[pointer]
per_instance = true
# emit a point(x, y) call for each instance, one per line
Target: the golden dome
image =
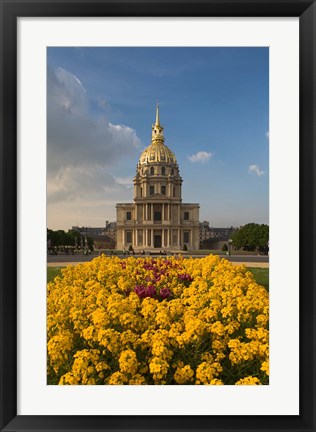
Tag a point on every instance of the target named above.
point(157, 151)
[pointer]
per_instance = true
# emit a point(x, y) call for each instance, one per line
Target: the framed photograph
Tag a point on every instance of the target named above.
point(226, 91)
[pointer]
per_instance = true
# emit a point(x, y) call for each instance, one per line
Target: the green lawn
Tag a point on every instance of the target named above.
point(261, 274)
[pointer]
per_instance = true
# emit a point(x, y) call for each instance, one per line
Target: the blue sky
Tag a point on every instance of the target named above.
point(100, 108)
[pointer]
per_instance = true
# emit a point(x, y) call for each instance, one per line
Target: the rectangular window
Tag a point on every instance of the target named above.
point(174, 191)
point(129, 237)
point(151, 190)
point(186, 237)
point(157, 216)
point(186, 215)
point(128, 215)
point(163, 190)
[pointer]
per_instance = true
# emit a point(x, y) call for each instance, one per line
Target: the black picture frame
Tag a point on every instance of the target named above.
point(10, 11)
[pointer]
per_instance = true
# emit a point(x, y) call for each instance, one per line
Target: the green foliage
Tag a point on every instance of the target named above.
point(90, 243)
point(61, 238)
point(185, 248)
point(70, 238)
point(252, 237)
point(225, 247)
point(52, 272)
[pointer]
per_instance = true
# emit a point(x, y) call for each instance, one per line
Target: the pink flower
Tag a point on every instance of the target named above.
point(140, 291)
point(165, 293)
point(185, 277)
point(143, 292)
point(150, 291)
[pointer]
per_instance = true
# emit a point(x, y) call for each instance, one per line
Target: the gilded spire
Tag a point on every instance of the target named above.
point(157, 115)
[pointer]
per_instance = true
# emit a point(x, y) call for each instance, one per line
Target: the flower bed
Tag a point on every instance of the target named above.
point(157, 321)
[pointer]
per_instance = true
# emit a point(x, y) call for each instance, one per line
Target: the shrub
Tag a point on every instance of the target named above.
point(157, 321)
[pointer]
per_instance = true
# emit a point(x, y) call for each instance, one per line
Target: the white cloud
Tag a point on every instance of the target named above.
point(201, 156)
point(255, 169)
point(124, 181)
point(81, 149)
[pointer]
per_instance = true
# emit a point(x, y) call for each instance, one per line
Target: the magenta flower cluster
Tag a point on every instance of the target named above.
point(143, 292)
point(150, 285)
point(185, 277)
point(165, 293)
point(150, 291)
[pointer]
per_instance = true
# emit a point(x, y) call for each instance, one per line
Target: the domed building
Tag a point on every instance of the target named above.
point(157, 219)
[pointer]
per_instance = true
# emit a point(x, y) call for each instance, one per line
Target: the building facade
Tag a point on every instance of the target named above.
point(157, 219)
point(110, 230)
point(205, 231)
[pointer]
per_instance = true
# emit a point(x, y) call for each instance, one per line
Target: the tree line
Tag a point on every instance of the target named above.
point(252, 237)
point(61, 238)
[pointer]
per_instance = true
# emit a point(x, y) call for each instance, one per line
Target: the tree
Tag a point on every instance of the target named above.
point(252, 237)
point(61, 238)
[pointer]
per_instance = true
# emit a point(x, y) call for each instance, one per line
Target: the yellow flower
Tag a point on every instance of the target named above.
point(184, 375)
point(249, 380)
point(107, 323)
point(128, 362)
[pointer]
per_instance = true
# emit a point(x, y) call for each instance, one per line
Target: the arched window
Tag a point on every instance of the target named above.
point(152, 170)
point(163, 170)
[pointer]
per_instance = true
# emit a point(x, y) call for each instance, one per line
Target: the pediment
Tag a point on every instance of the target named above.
point(158, 197)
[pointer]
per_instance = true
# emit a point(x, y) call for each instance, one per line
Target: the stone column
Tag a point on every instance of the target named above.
point(152, 212)
point(162, 238)
point(152, 238)
point(123, 238)
point(179, 238)
point(163, 213)
point(136, 237)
